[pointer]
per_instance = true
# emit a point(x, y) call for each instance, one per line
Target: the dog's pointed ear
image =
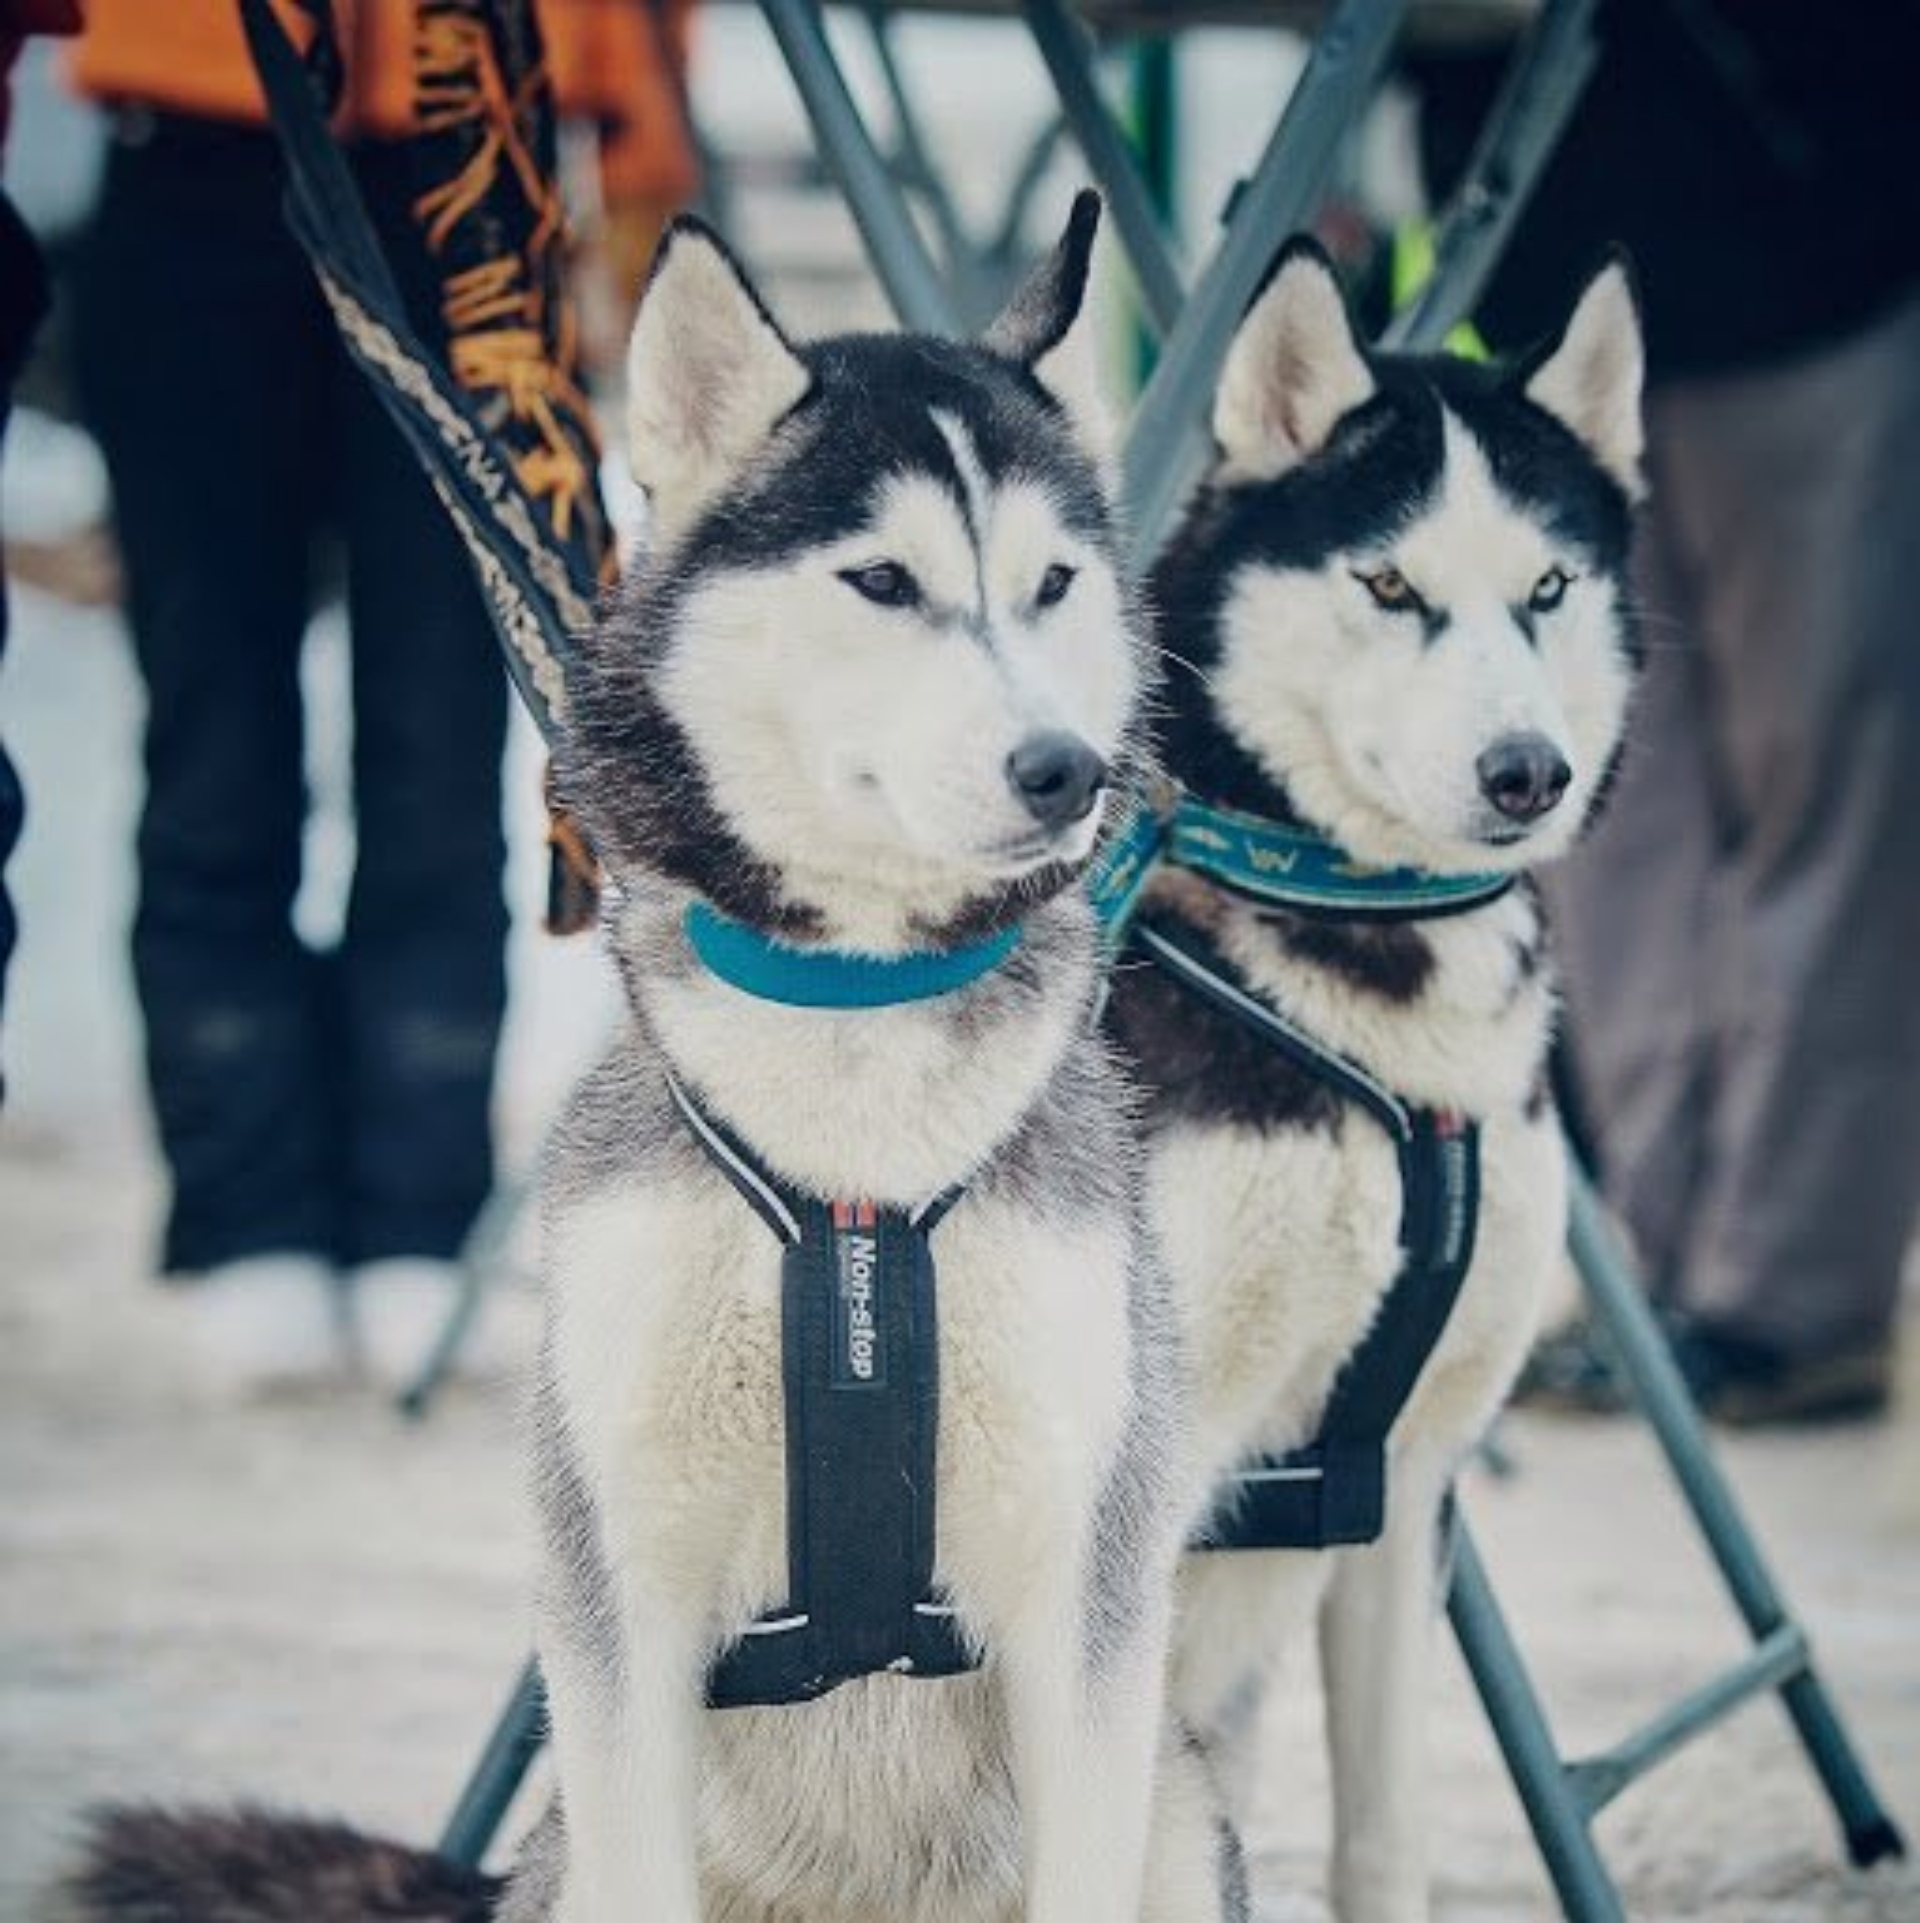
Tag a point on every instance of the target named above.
point(1590, 379)
point(1295, 367)
point(1048, 328)
point(709, 374)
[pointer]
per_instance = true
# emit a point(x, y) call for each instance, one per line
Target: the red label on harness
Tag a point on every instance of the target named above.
point(859, 1356)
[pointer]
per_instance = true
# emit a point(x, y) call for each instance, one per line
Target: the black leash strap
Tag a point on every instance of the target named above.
point(538, 588)
point(1333, 1490)
point(860, 1362)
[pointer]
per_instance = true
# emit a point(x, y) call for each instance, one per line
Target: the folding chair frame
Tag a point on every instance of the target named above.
point(1561, 1798)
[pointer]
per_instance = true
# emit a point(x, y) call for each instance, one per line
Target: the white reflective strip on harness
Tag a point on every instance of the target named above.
point(718, 1148)
point(933, 1609)
point(1307, 1472)
point(778, 1627)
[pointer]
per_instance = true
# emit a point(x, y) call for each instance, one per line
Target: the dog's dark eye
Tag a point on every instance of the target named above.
point(1549, 591)
point(1390, 590)
point(1053, 586)
point(886, 584)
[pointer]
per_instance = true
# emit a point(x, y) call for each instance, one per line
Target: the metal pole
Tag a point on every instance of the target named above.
point(1153, 93)
point(1597, 1780)
point(1559, 1825)
point(907, 271)
point(497, 1777)
point(1662, 1393)
point(481, 1255)
point(1285, 189)
point(1069, 57)
point(974, 296)
point(1542, 87)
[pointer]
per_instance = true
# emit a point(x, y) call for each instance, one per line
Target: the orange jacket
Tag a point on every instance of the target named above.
point(190, 56)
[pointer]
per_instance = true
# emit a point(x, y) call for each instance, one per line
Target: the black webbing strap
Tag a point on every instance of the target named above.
point(1333, 1490)
point(538, 587)
point(860, 1365)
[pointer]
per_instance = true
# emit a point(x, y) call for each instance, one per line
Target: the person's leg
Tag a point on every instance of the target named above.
point(1811, 517)
point(195, 330)
point(423, 973)
point(23, 300)
point(1629, 911)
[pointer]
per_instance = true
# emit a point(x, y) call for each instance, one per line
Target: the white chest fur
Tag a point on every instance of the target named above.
point(1284, 1240)
point(666, 1330)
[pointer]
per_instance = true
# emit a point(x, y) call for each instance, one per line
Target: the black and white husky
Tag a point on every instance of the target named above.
point(852, 716)
point(1394, 616)
point(863, 697)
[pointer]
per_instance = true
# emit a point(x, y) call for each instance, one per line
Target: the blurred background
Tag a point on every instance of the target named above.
point(228, 1565)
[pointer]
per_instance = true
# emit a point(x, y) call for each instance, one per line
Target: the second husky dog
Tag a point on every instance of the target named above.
point(1398, 641)
point(849, 722)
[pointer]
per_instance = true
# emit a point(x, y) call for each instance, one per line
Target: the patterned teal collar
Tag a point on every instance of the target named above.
point(827, 978)
point(1273, 863)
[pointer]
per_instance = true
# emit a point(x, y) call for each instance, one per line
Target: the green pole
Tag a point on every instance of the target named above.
point(1154, 114)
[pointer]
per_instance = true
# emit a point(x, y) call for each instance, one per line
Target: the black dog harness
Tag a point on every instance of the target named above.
point(860, 1365)
point(1333, 1489)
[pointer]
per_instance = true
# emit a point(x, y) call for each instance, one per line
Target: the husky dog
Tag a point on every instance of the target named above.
point(1394, 615)
point(863, 696)
point(860, 700)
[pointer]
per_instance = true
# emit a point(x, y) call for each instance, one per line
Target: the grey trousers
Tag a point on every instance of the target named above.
point(1741, 931)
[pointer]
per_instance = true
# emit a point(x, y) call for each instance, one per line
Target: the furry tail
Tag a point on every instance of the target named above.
point(251, 1866)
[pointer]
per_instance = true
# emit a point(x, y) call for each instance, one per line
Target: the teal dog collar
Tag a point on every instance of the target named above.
point(827, 978)
point(1271, 862)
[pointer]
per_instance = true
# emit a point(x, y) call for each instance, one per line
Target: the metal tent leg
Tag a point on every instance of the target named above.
point(906, 269)
point(1559, 1823)
point(481, 1257)
point(1069, 57)
point(972, 286)
point(1662, 1394)
point(1284, 189)
point(496, 1778)
point(1542, 86)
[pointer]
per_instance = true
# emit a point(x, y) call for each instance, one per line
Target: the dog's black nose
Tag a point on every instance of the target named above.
point(1523, 775)
point(1057, 776)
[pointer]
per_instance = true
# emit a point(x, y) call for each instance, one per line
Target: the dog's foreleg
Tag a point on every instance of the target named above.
point(625, 1748)
point(1376, 1640)
point(1195, 1870)
point(1085, 1725)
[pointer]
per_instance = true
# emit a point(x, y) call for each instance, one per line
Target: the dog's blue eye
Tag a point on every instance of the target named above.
point(1053, 586)
point(1549, 591)
point(886, 583)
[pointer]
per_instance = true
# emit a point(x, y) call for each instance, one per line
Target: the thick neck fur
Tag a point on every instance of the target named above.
point(893, 1104)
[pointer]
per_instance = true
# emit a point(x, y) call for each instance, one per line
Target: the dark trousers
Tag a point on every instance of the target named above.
point(338, 1103)
point(23, 299)
point(1740, 930)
